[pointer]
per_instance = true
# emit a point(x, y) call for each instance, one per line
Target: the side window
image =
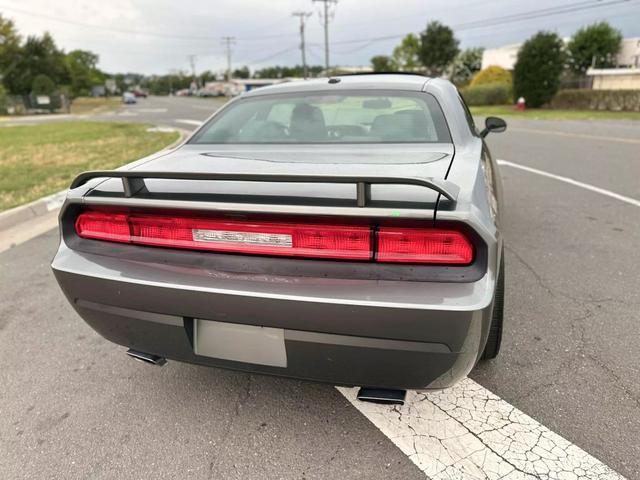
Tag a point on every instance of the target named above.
point(467, 114)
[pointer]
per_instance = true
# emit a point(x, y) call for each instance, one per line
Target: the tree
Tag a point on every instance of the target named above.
point(282, 72)
point(406, 56)
point(382, 63)
point(597, 44)
point(38, 55)
point(83, 71)
point(9, 47)
point(438, 48)
point(536, 74)
point(241, 72)
point(465, 66)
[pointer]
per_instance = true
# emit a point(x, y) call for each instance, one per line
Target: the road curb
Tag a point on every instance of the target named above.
point(30, 211)
point(24, 213)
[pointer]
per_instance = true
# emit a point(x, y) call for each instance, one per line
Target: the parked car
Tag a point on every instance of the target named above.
point(139, 93)
point(128, 98)
point(205, 92)
point(343, 230)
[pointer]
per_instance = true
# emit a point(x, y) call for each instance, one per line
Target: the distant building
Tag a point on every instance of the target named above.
point(247, 84)
point(615, 78)
point(506, 56)
point(629, 55)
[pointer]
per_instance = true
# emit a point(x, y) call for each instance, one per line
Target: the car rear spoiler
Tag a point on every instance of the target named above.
point(133, 181)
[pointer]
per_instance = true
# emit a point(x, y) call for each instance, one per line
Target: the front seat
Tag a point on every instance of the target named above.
point(307, 124)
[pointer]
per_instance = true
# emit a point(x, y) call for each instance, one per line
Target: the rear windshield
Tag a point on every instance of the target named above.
point(349, 117)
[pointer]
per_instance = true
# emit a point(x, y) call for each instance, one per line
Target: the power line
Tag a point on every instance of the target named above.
point(131, 31)
point(303, 16)
point(325, 19)
point(489, 22)
point(271, 57)
point(227, 42)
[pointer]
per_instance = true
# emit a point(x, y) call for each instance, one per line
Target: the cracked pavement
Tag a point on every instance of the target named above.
point(73, 406)
point(467, 432)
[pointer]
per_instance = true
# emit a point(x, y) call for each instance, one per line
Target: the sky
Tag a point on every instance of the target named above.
point(157, 36)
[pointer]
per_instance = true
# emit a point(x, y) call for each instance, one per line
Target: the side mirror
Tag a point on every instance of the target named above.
point(493, 124)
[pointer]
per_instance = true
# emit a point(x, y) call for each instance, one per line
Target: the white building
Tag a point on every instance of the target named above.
point(506, 56)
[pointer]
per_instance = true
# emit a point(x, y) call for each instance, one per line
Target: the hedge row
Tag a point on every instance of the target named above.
point(487, 94)
point(585, 99)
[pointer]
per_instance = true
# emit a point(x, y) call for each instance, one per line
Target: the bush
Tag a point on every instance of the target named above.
point(489, 94)
point(491, 74)
point(536, 75)
point(611, 100)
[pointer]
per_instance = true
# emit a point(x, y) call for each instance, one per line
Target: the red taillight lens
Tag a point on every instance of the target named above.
point(103, 226)
point(416, 245)
point(265, 238)
point(394, 244)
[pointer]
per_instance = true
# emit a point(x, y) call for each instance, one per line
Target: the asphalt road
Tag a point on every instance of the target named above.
point(74, 406)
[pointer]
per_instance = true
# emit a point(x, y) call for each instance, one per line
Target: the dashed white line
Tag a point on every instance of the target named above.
point(571, 181)
point(467, 432)
point(188, 121)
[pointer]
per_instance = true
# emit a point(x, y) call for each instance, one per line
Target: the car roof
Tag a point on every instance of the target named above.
point(386, 81)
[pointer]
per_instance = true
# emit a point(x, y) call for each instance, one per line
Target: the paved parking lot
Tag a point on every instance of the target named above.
point(74, 406)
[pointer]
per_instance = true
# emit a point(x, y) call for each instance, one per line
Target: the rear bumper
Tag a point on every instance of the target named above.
point(409, 335)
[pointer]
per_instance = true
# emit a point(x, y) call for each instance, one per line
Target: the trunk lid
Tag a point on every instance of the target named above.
point(407, 160)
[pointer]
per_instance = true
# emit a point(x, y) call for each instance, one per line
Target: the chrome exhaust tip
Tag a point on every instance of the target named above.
point(382, 395)
point(147, 357)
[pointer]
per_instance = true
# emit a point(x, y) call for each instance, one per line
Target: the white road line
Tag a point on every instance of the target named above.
point(468, 433)
point(576, 135)
point(601, 191)
point(188, 121)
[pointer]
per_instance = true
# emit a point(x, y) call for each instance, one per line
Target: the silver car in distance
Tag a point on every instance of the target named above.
point(343, 230)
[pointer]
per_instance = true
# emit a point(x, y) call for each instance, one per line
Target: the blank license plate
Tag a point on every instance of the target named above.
point(240, 343)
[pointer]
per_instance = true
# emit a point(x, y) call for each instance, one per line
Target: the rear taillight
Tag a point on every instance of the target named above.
point(421, 245)
point(264, 238)
point(113, 227)
point(347, 242)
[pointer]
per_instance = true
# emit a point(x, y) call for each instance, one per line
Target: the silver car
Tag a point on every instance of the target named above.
point(342, 230)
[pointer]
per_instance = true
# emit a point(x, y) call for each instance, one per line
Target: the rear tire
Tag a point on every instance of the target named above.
point(492, 348)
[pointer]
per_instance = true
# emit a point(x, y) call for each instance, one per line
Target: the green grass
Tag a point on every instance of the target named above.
point(547, 114)
point(92, 105)
point(42, 159)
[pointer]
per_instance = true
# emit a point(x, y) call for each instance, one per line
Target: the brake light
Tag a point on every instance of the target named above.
point(418, 245)
point(103, 226)
point(266, 237)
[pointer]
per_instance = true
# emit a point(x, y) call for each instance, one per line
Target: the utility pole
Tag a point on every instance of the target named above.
point(303, 16)
point(227, 42)
point(325, 18)
point(192, 62)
